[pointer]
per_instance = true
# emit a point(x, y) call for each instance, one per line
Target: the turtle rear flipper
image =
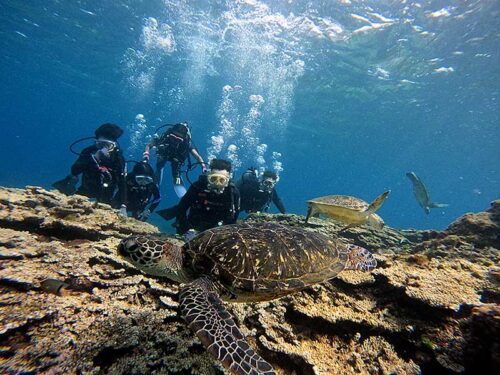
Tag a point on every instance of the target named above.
point(205, 314)
point(438, 205)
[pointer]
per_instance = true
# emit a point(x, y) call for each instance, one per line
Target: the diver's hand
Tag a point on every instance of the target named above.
point(123, 211)
point(102, 154)
point(106, 173)
point(177, 181)
point(144, 215)
point(145, 155)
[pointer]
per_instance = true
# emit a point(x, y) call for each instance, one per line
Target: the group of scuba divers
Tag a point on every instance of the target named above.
point(210, 201)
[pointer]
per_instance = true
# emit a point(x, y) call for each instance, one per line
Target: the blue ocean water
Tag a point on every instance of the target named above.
point(339, 97)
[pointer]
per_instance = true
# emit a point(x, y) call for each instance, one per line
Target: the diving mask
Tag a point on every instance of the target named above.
point(143, 180)
point(218, 180)
point(268, 184)
point(103, 143)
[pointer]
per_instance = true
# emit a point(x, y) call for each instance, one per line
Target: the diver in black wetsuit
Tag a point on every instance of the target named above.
point(257, 195)
point(102, 167)
point(174, 146)
point(211, 201)
point(142, 193)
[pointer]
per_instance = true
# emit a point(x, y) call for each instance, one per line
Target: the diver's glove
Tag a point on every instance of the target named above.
point(102, 154)
point(145, 155)
point(122, 211)
point(144, 215)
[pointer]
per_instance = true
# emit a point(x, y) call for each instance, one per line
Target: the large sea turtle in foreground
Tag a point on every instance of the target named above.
point(350, 210)
point(241, 263)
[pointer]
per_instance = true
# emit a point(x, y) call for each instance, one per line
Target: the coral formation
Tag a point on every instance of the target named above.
point(70, 304)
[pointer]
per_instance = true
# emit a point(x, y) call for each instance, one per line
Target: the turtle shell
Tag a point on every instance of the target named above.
point(347, 209)
point(344, 201)
point(264, 260)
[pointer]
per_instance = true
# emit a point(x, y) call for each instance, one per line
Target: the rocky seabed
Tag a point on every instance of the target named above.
point(431, 306)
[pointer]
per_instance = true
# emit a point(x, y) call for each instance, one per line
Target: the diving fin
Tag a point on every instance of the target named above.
point(180, 190)
point(67, 185)
point(168, 213)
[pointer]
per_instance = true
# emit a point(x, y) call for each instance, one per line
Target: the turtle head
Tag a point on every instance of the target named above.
point(375, 221)
point(153, 256)
point(358, 258)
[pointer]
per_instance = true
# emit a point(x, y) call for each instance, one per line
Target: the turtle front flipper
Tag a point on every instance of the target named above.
point(312, 211)
point(358, 258)
point(205, 314)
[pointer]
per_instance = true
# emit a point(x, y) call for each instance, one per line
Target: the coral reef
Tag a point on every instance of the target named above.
point(70, 304)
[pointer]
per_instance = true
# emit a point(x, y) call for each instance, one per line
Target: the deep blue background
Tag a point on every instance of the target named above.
point(347, 129)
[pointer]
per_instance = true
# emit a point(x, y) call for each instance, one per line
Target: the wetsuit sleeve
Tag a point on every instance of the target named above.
point(121, 197)
point(237, 204)
point(120, 179)
point(82, 163)
point(154, 142)
point(233, 216)
point(186, 201)
point(155, 193)
point(278, 202)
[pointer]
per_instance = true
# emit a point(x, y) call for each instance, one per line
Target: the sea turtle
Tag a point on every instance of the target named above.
point(421, 194)
point(350, 210)
point(241, 263)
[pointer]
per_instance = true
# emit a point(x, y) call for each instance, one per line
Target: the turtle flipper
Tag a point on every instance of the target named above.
point(311, 212)
point(358, 258)
point(438, 205)
point(205, 314)
point(375, 205)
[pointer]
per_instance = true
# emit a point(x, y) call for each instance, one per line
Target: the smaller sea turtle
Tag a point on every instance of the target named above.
point(241, 263)
point(421, 194)
point(350, 210)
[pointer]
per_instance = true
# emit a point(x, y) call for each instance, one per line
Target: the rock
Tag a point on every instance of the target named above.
point(431, 305)
point(49, 213)
point(481, 229)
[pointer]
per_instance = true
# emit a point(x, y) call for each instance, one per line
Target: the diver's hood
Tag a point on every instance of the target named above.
point(109, 131)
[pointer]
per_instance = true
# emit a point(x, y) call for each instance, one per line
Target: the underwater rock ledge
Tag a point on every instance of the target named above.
point(431, 306)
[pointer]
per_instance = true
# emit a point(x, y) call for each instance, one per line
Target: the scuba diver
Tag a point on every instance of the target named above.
point(174, 146)
point(257, 195)
point(142, 193)
point(102, 167)
point(212, 200)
